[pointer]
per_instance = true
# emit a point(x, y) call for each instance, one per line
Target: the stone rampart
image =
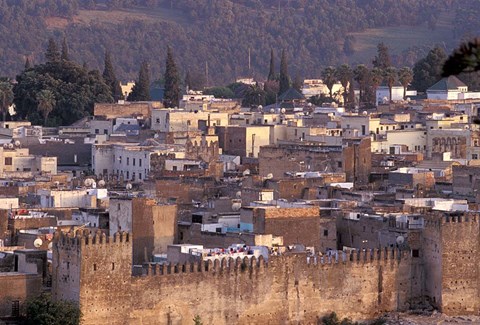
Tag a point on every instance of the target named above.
point(289, 288)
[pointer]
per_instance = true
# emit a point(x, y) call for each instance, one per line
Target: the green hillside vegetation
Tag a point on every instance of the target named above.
point(220, 33)
point(406, 42)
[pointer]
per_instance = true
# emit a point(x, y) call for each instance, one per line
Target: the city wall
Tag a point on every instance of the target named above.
point(286, 289)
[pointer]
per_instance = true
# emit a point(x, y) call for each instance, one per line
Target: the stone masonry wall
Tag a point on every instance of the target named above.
point(287, 289)
point(461, 265)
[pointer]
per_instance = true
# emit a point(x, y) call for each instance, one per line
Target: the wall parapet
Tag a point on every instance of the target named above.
point(224, 265)
point(253, 264)
point(83, 238)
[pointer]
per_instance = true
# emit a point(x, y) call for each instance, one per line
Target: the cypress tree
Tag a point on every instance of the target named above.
point(141, 89)
point(284, 78)
point(271, 73)
point(188, 81)
point(28, 65)
point(297, 83)
point(172, 88)
point(110, 78)
point(52, 54)
point(65, 56)
point(382, 60)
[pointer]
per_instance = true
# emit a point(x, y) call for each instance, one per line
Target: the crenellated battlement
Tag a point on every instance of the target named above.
point(84, 237)
point(461, 218)
point(437, 219)
point(210, 266)
point(253, 264)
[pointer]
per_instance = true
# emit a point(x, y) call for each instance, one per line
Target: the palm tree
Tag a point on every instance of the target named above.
point(376, 78)
point(6, 97)
point(329, 78)
point(345, 75)
point(391, 76)
point(405, 76)
point(46, 103)
point(361, 74)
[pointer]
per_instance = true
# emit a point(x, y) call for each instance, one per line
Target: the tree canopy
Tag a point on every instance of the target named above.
point(466, 58)
point(141, 89)
point(428, 70)
point(6, 97)
point(213, 31)
point(111, 79)
point(284, 77)
point(172, 82)
point(43, 311)
point(75, 90)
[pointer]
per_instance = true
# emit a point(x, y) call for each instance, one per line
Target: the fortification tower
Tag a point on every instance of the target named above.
point(452, 262)
point(82, 262)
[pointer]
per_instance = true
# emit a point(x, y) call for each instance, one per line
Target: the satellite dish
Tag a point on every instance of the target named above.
point(50, 246)
point(269, 176)
point(400, 240)
point(365, 113)
point(5, 145)
point(38, 242)
point(57, 183)
point(260, 107)
point(272, 110)
point(94, 185)
point(88, 182)
point(101, 183)
point(128, 186)
point(283, 110)
point(10, 145)
point(236, 206)
point(60, 132)
point(246, 172)
point(238, 195)
point(17, 143)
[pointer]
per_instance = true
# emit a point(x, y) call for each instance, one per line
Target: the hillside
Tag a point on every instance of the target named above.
point(220, 33)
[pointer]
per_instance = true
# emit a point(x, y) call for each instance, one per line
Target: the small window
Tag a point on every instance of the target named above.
point(113, 266)
point(133, 161)
point(94, 266)
point(139, 162)
point(97, 131)
point(325, 232)
point(139, 175)
point(8, 161)
point(415, 253)
point(128, 161)
point(105, 131)
point(158, 121)
point(174, 168)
